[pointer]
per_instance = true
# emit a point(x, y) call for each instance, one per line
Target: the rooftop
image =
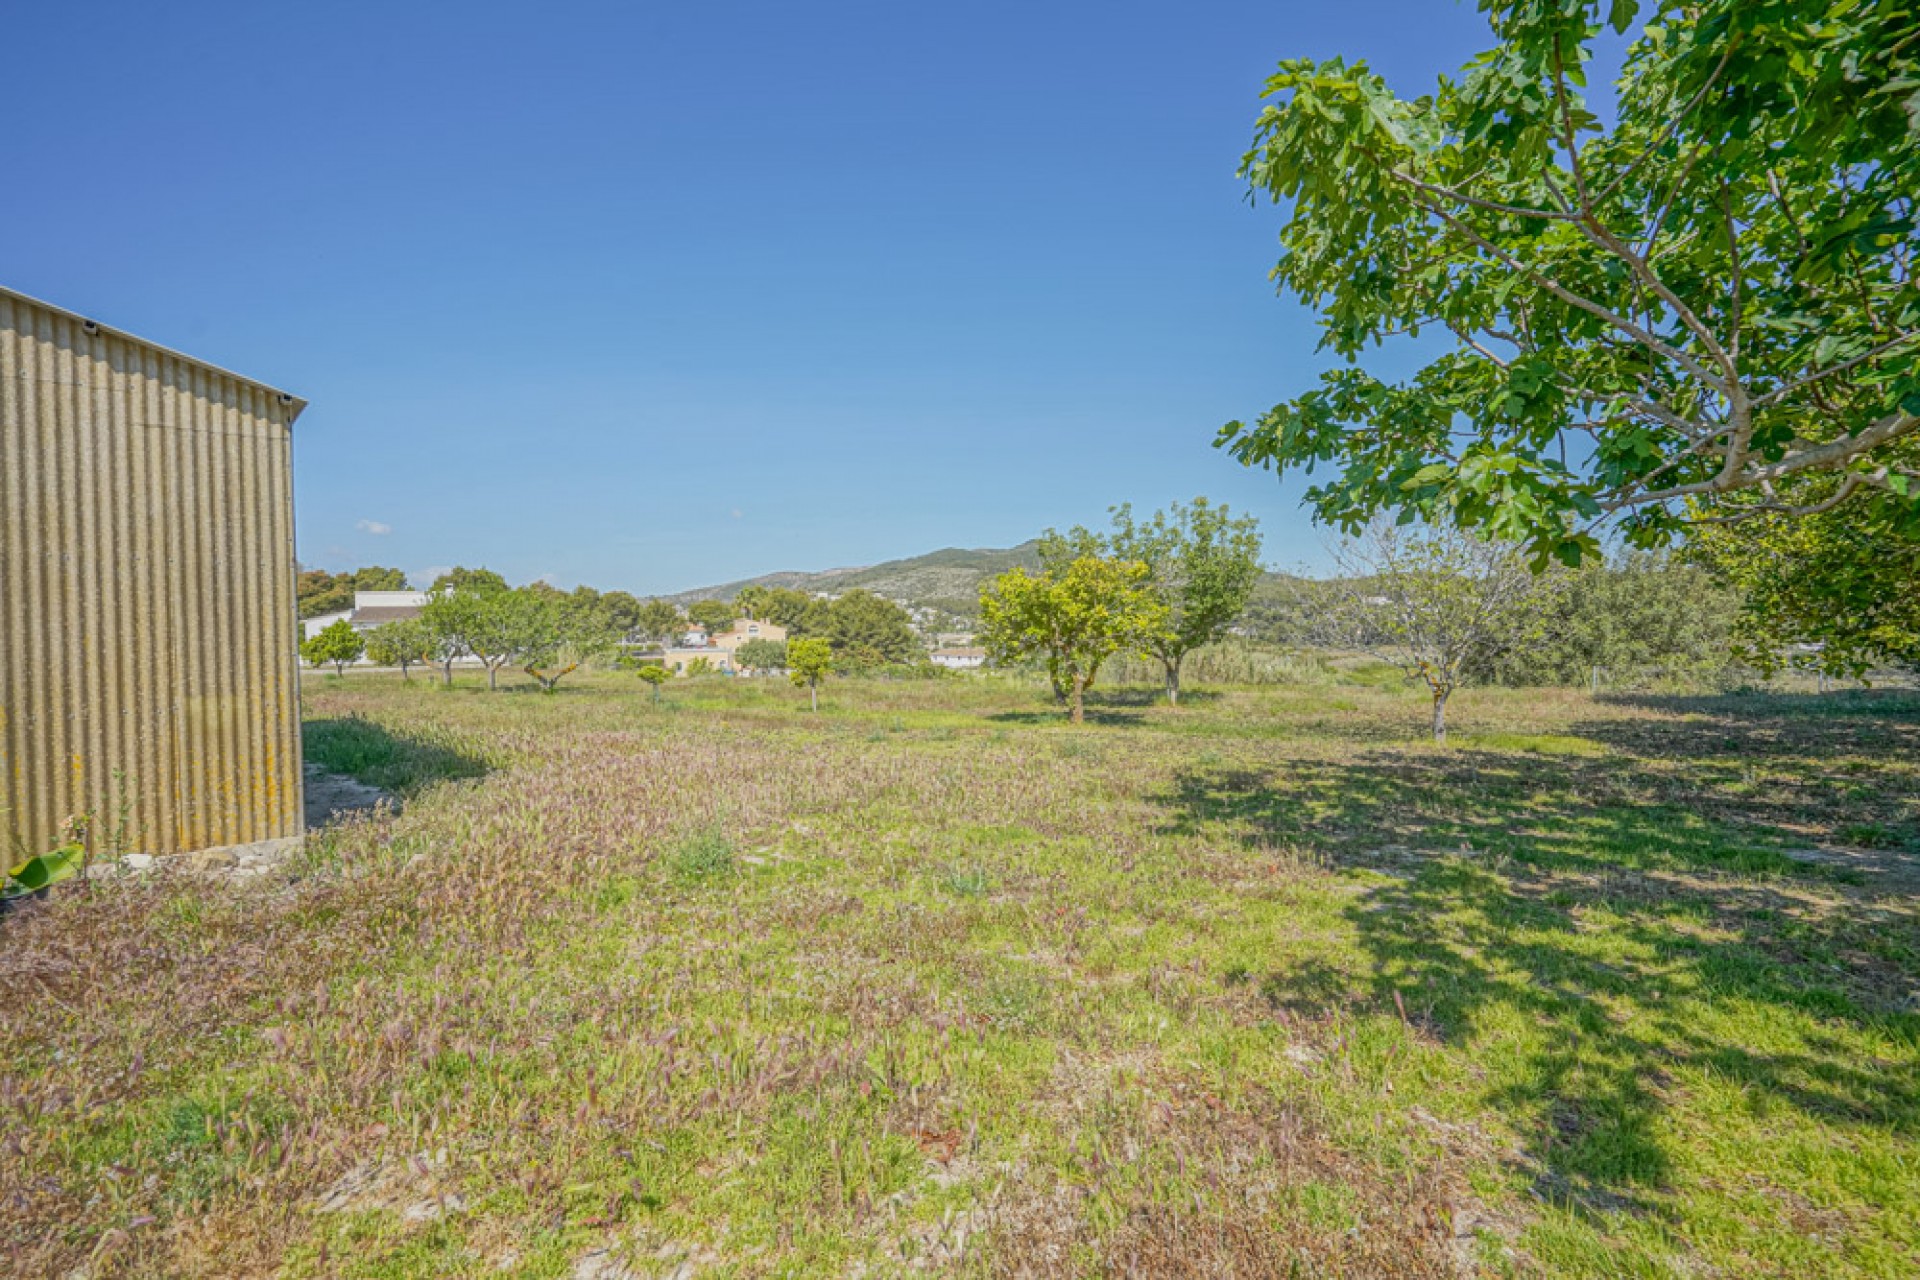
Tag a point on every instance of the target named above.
point(294, 403)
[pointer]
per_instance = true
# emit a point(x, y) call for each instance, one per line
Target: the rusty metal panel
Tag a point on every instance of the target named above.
point(148, 642)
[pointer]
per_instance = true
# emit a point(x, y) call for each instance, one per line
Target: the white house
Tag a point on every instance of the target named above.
point(960, 658)
point(370, 609)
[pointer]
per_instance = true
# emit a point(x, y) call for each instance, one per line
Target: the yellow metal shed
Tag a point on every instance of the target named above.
point(148, 660)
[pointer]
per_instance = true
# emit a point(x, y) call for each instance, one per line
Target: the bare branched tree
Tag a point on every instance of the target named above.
point(1435, 602)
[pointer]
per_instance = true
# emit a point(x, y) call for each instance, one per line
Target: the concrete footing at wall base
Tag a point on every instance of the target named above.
point(241, 859)
point(236, 860)
point(330, 799)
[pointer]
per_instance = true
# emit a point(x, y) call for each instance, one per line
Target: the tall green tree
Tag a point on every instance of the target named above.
point(337, 643)
point(379, 578)
point(1202, 561)
point(494, 624)
point(800, 613)
point(459, 577)
point(624, 614)
point(450, 616)
point(862, 624)
point(1071, 618)
point(318, 592)
point(715, 615)
point(1704, 308)
point(761, 655)
point(584, 624)
point(1838, 591)
point(1638, 613)
point(661, 622)
point(403, 643)
point(515, 625)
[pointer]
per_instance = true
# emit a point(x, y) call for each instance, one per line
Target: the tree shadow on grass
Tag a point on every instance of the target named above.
point(1106, 717)
point(1147, 695)
point(1805, 763)
point(1763, 725)
point(379, 756)
point(1123, 707)
point(1538, 907)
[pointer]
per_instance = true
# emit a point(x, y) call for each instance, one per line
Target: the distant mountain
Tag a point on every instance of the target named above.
point(947, 581)
point(942, 588)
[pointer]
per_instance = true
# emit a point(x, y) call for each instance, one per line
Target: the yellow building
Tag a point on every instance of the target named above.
point(717, 651)
point(745, 629)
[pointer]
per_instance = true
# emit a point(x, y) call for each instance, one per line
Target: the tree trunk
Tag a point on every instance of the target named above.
point(1079, 713)
point(340, 669)
point(1440, 697)
point(447, 667)
point(1173, 681)
point(814, 690)
point(493, 674)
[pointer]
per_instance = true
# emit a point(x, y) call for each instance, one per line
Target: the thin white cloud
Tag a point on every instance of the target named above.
point(736, 513)
point(374, 527)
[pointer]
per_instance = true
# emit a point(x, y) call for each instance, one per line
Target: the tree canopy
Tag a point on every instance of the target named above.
point(1838, 592)
point(495, 624)
point(459, 576)
point(869, 629)
point(714, 615)
point(402, 643)
point(337, 643)
point(661, 621)
point(800, 613)
point(809, 661)
point(761, 655)
point(319, 592)
point(1701, 310)
point(1640, 616)
point(1072, 617)
point(1202, 564)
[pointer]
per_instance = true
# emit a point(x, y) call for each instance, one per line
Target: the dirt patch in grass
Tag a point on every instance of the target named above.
point(334, 797)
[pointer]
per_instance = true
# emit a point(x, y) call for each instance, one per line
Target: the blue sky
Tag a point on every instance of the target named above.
point(651, 296)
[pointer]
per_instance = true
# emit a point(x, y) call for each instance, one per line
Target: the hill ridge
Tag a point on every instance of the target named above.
point(947, 580)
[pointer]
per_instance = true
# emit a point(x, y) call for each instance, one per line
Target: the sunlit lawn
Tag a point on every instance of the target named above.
point(932, 980)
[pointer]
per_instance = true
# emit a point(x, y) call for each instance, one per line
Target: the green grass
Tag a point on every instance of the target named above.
point(931, 980)
point(702, 855)
point(396, 757)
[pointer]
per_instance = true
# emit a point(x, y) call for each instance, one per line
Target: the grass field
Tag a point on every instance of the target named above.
point(931, 981)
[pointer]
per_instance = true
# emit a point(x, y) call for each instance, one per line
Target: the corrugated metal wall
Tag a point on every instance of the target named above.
point(147, 631)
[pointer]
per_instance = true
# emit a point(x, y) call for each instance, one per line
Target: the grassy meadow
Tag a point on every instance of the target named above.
point(931, 982)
